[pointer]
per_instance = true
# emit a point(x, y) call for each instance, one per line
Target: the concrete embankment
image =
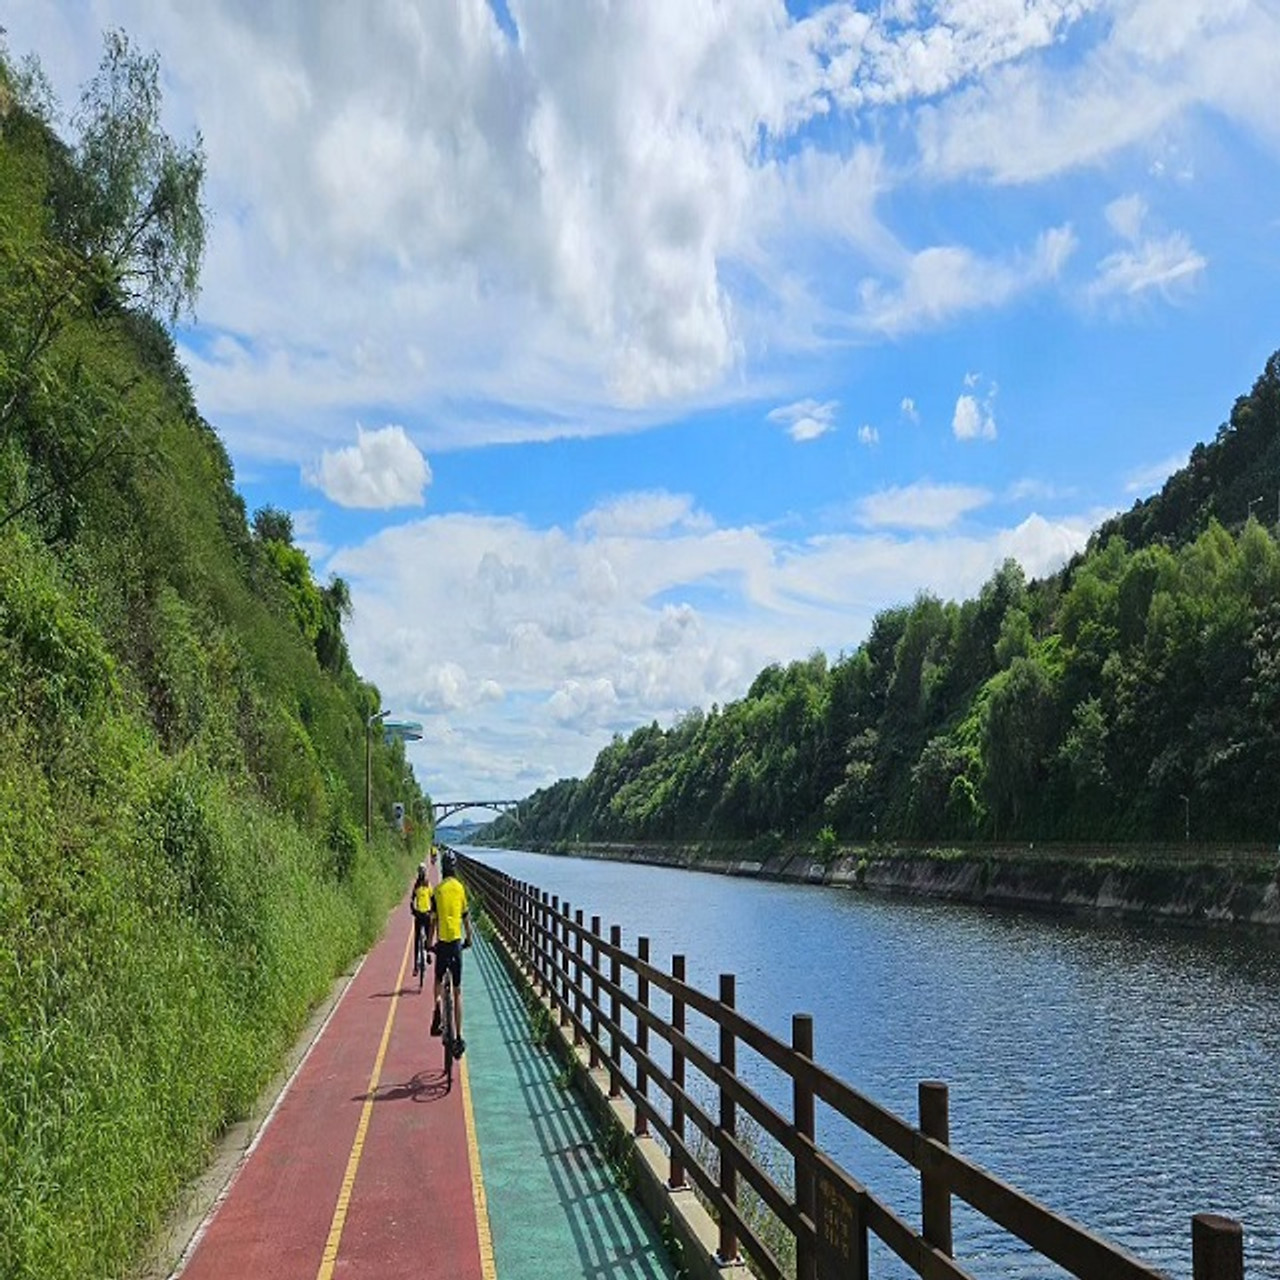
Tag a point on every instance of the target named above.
point(1210, 885)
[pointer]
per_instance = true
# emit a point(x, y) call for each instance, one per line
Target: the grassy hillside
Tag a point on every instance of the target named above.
point(183, 867)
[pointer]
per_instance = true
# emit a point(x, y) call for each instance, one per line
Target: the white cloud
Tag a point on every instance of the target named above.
point(908, 409)
point(920, 506)
point(1164, 265)
point(525, 674)
point(1148, 479)
point(806, 419)
point(1153, 62)
point(973, 419)
point(944, 281)
point(1125, 215)
point(638, 514)
point(611, 208)
point(1161, 263)
point(584, 704)
point(383, 469)
point(868, 435)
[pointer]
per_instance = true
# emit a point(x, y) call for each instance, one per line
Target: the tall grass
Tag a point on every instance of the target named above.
point(162, 938)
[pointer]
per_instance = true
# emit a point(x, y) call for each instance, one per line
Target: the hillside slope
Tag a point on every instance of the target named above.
point(1134, 696)
point(182, 750)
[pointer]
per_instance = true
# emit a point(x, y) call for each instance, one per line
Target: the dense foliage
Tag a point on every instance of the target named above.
point(183, 867)
point(1133, 696)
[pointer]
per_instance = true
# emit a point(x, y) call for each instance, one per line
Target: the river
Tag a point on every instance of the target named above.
point(1126, 1075)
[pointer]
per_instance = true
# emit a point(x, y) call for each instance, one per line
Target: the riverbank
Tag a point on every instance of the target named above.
point(1189, 884)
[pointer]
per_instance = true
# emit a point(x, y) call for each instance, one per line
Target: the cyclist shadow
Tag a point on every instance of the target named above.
point(422, 1086)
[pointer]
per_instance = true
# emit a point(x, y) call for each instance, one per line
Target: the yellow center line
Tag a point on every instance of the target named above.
point(488, 1268)
point(330, 1258)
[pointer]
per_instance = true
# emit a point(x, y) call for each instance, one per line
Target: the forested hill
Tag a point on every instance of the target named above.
point(183, 866)
point(1133, 696)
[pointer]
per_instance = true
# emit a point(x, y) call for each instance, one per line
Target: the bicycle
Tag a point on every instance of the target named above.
point(420, 952)
point(446, 1027)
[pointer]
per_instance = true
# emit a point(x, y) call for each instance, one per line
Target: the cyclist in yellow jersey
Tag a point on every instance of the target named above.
point(420, 909)
point(450, 933)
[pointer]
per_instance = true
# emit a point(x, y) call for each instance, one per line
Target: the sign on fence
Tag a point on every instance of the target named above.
point(842, 1234)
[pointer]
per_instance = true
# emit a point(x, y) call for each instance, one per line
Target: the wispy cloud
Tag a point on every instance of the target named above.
point(921, 506)
point(806, 419)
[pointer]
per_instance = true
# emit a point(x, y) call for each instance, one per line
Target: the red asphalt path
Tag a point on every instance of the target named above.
point(410, 1210)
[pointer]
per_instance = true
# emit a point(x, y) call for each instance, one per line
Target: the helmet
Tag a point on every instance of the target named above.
point(422, 868)
point(449, 863)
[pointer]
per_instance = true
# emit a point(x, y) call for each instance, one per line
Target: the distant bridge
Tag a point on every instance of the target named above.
point(443, 809)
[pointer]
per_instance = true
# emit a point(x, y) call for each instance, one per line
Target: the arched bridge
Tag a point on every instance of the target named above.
point(442, 809)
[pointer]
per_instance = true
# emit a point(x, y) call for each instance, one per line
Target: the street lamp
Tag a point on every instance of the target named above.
point(1186, 818)
point(1253, 502)
point(368, 771)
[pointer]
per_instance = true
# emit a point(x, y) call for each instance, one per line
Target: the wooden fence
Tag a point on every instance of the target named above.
point(601, 994)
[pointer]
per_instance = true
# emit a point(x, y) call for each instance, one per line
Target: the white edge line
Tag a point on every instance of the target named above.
point(198, 1235)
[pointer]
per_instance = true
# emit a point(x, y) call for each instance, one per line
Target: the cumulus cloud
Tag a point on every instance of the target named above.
point(626, 208)
point(868, 435)
point(486, 629)
point(974, 415)
point(806, 419)
point(908, 409)
point(383, 469)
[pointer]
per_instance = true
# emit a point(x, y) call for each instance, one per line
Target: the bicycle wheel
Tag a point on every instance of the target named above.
point(446, 1028)
point(421, 953)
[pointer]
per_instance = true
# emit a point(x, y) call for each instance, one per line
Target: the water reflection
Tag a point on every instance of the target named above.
point(1124, 1074)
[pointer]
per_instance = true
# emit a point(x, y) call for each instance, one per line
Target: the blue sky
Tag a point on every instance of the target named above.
point(613, 351)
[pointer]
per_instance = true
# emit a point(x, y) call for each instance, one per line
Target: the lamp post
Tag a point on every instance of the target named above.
point(1186, 818)
point(368, 771)
point(1253, 502)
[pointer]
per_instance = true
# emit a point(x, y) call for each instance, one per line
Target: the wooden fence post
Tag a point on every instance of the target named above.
point(615, 1015)
point(557, 1008)
point(675, 1178)
point(728, 1124)
point(642, 1042)
point(803, 1114)
point(595, 991)
point(1217, 1248)
point(577, 985)
point(544, 922)
point(935, 1199)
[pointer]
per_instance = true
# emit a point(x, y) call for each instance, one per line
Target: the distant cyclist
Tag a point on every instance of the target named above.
point(420, 908)
point(450, 921)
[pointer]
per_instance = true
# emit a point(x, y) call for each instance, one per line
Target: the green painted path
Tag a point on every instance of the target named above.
point(554, 1209)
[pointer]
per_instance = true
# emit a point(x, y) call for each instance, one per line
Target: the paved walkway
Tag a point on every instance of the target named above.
point(368, 1167)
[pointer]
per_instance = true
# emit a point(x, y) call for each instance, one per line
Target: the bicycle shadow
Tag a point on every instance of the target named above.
point(422, 1086)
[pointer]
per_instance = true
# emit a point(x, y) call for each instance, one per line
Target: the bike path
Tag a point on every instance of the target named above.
point(364, 1168)
point(368, 1167)
point(555, 1209)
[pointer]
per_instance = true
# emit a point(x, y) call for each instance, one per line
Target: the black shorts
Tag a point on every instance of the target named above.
point(449, 957)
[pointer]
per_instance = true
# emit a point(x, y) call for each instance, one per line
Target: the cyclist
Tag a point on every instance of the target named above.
point(450, 933)
point(420, 909)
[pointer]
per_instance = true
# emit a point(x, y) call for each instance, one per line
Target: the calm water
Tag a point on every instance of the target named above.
point(1127, 1076)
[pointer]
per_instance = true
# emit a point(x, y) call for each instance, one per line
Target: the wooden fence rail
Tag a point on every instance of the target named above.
point(602, 995)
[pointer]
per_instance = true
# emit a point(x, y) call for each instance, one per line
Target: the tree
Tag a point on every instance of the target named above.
point(129, 200)
point(271, 524)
